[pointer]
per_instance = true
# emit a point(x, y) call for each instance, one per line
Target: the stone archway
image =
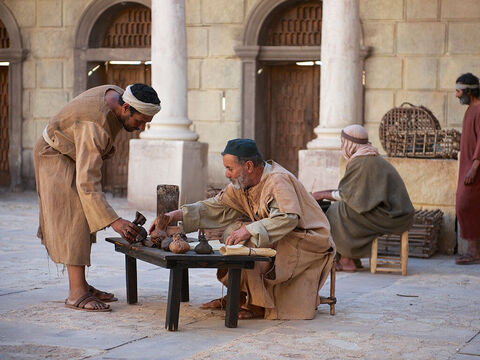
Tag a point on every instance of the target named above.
point(85, 52)
point(14, 54)
point(260, 56)
point(120, 31)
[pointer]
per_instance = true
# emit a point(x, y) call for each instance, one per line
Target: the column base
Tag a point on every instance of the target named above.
point(155, 162)
point(320, 169)
point(167, 132)
point(327, 139)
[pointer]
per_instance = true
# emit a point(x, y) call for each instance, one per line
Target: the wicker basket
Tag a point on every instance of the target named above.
point(423, 143)
point(422, 236)
point(413, 131)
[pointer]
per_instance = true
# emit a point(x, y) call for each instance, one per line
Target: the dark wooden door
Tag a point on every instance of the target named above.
point(115, 170)
point(291, 110)
point(4, 125)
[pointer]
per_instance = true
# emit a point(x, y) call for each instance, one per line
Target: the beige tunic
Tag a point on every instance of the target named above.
point(304, 253)
point(68, 170)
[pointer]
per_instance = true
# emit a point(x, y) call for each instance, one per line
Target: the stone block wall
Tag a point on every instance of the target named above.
point(418, 49)
point(47, 28)
point(432, 184)
point(214, 28)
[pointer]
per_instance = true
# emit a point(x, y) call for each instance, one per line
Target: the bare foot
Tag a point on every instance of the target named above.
point(102, 295)
point(346, 264)
point(221, 303)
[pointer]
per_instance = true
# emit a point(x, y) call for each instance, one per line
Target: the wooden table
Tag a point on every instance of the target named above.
point(178, 284)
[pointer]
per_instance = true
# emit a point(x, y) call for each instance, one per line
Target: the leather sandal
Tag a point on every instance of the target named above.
point(467, 260)
point(220, 303)
point(246, 314)
point(84, 300)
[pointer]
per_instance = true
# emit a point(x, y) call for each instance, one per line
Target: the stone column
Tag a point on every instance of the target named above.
point(341, 94)
point(169, 72)
point(167, 152)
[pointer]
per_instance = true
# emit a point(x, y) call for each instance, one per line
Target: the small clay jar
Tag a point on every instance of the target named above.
point(203, 246)
point(178, 245)
point(157, 237)
point(139, 221)
point(166, 243)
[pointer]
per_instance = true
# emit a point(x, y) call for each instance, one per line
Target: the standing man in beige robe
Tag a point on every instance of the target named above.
point(283, 216)
point(68, 162)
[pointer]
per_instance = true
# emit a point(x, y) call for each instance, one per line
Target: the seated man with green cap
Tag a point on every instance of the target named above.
point(282, 215)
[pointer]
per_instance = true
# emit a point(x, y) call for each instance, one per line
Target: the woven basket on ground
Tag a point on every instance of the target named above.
point(422, 236)
point(413, 131)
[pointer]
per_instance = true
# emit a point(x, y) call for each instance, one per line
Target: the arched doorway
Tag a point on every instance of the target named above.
point(11, 57)
point(281, 77)
point(118, 51)
point(4, 106)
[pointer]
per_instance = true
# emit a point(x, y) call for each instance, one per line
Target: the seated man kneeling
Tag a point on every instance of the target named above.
point(371, 200)
point(284, 217)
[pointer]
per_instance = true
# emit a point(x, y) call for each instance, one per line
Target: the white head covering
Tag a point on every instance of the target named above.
point(142, 107)
point(461, 86)
point(355, 142)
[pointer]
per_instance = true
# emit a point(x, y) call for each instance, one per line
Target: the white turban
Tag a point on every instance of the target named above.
point(142, 107)
point(461, 86)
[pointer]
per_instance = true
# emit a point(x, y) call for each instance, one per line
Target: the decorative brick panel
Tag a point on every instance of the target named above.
point(4, 39)
point(130, 28)
point(295, 26)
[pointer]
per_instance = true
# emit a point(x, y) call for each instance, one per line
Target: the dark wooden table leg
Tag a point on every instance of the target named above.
point(174, 294)
point(233, 295)
point(131, 276)
point(185, 297)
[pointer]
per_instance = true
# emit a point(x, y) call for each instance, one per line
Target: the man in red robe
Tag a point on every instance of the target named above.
point(468, 191)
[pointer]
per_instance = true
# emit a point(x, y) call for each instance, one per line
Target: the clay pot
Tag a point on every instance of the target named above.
point(166, 243)
point(157, 237)
point(178, 245)
point(203, 247)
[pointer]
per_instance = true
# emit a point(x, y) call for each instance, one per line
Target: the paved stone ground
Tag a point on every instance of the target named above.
point(439, 319)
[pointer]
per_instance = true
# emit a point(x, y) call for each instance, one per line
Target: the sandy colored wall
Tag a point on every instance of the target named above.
point(47, 28)
point(432, 184)
point(418, 49)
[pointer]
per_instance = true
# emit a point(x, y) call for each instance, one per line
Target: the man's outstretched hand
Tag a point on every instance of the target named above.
point(162, 220)
point(126, 229)
point(239, 236)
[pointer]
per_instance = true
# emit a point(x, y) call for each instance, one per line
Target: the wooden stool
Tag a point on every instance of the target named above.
point(389, 263)
point(331, 300)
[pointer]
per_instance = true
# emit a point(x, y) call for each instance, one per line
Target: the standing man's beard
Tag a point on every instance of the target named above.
point(129, 129)
point(464, 99)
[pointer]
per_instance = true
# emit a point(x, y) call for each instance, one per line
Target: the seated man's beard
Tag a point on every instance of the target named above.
point(239, 183)
point(464, 99)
